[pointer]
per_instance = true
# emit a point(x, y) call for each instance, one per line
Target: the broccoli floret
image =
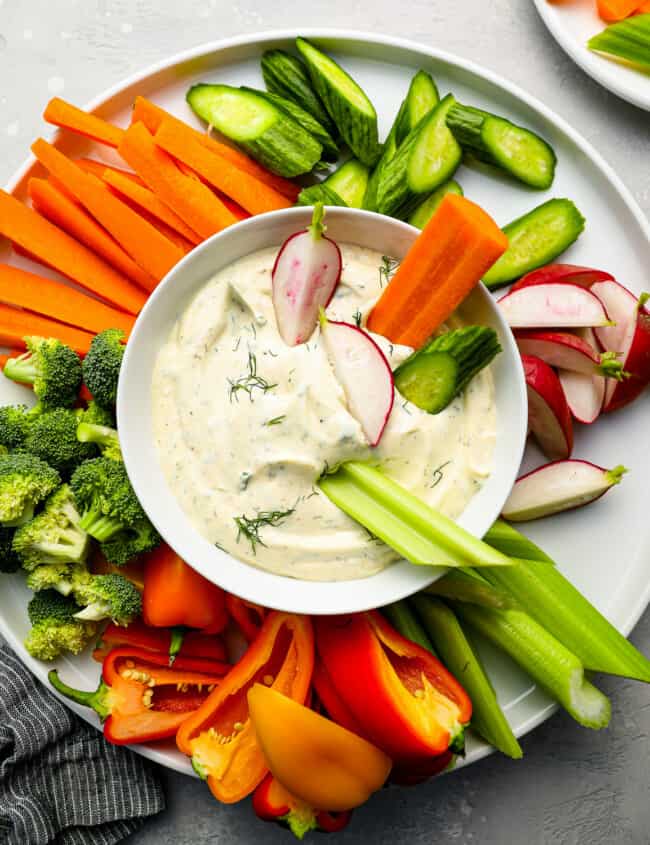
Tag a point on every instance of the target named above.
point(9, 560)
point(53, 438)
point(25, 480)
point(52, 367)
point(14, 425)
point(103, 436)
point(109, 597)
point(127, 545)
point(95, 414)
point(50, 576)
point(111, 512)
point(101, 366)
point(54, 627)
point(55, 535)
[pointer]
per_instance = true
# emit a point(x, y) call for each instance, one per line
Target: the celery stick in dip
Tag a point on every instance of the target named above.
point(245, 425)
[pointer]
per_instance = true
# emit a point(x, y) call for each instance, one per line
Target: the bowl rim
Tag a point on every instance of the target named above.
point(258, 585)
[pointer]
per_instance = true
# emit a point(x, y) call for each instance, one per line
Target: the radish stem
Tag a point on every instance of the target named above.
point(547, 661)
point(460, 658)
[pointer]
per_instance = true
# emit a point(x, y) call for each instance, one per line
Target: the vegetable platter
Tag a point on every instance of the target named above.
point(576, 26)
point(602, 549)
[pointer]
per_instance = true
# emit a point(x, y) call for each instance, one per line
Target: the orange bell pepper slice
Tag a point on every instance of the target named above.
point(316, 760)
point(401, 696)
point(220, 737)
point(175, 594)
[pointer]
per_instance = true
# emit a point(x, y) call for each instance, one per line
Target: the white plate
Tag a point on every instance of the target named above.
point(172, 297)
point(572, 24)
point(604, 548)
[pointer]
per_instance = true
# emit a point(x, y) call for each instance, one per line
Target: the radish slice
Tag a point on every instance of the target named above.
point(630, 338)
point(565, 273)
point(364, 373)
point(549, 417)
point(559, 486)
point(568, 352)
point(553, 305)
point(305, 275)
point(584, 394)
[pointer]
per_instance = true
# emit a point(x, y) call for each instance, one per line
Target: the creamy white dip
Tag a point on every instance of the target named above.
point(245, 425)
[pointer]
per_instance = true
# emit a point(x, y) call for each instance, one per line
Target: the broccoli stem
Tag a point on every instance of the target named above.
point(103, 435)
point(95, 612)
point(97, 699)
point(101, 527)
point(21, 369)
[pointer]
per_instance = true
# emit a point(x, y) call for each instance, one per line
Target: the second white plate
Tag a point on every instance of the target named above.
point(572, 25)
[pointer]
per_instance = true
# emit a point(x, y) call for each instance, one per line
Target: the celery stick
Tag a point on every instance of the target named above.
point(628, 40)
point(355, 486)
point(465, 586)
point(544, 593)
point(406, 622)
point(512, 543)
point(547, 661)
point(488, 719)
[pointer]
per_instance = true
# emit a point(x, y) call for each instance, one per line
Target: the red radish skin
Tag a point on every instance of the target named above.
point(584, 394)
point(364, 374)
point(568, 352)
point(566, 273)
point(549, 416)
point(305, 275)
point(559, 486)
point(552, 305)
point(630, 338)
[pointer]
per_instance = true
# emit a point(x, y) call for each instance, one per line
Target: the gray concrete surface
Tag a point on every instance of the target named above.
point(573, 786)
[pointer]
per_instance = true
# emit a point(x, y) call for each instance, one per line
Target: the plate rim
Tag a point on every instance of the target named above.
point(590, 63)
point(161, 755)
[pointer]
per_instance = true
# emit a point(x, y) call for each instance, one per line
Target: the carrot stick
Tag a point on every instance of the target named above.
point(146, 199)
point(249, 192)
point(59, 301)
point(50, 245)
point(616, 10)
point(98, 168)
point(194, 203)
point(235, 208)
point(152, 116)
point(644, 8)
point(148, 248)
point(69, 216)
point(70, 117)
point(16, 324)
point(448, 259)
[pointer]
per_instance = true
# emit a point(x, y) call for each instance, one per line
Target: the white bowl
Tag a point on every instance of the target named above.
point(151, 330)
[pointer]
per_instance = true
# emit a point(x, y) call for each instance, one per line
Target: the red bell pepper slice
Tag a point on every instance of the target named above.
point(332, 701)
point(139, 698)
point(401, 697)
point(220, 737)
point(199, 652)
point(175, 594)
point(247, 616)
point(272, 802)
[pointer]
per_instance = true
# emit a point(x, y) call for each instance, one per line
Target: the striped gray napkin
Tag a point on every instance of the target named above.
point(60, 781)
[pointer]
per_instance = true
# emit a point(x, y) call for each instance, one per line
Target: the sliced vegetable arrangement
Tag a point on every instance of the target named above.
point(316, 714)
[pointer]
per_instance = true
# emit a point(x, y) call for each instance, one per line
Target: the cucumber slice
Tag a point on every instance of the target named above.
point(428, 381)
point(427, 158)
point(320, 193)
point(263, 130)
point(422, 96)
point(498, 142)
point(536, 239)
point(308, 123)
point(472, 347)
point(425, 211)
point(389, 150)
point(348, 106)
point(349, 182)
point(287, 76)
